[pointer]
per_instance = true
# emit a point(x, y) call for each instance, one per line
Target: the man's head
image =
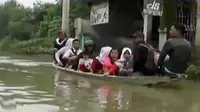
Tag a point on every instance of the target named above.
point(62, 34)
point(89, 45)
point(75, 44)
point(177, 30)
point(138, 37)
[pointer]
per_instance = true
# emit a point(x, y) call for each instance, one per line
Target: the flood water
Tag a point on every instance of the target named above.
point(31, 84)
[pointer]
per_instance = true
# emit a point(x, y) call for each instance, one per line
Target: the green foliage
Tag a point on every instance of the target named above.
point(33, 30)
point(193, 70)
point(5, 42)
point(33, 46)
point(79, 10)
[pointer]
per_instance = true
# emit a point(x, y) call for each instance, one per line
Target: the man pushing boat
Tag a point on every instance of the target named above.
point(179, 51)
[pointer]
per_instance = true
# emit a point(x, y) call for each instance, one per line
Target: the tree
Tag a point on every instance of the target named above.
point(37, 26)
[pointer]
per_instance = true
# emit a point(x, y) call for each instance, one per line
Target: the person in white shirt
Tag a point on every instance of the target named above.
point(71, 54)
point(68, 45)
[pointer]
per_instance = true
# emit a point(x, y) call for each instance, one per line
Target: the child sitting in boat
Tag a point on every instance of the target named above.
point(85, 62)
point(121, 66)
point(110, 60)
point(97, 65)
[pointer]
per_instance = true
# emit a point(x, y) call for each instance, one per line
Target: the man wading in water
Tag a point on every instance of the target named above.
point(179, 51)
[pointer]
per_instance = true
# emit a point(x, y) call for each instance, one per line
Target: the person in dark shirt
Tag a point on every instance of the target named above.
point(179, 51)
point(140, 53)
point(60, 41)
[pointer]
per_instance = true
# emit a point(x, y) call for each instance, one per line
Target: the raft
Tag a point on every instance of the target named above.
point(133, 80)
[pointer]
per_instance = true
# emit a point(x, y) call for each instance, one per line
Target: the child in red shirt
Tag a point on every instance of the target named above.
point(85, 63)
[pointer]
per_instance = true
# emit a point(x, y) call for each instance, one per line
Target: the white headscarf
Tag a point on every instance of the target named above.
point(105, 51)
point(120, 63)
point(123, 51)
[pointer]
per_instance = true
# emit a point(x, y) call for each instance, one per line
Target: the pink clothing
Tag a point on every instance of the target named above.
point(107, 63)
point(103, 54)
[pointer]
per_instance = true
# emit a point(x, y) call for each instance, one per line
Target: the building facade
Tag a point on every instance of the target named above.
point(126, 17)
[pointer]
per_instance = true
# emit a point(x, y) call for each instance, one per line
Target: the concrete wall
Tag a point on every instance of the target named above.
point(197, 39)
point(119, 41)
point(198, 25)
point(127, 15)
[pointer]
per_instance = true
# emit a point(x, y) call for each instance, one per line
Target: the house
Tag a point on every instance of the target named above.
point(124, 17)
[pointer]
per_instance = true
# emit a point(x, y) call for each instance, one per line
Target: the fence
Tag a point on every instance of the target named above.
point(187, 15)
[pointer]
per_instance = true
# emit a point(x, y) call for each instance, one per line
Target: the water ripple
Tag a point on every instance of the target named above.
point(16, 70)
point(20, 62)
point(12, 96)
point(4, 57)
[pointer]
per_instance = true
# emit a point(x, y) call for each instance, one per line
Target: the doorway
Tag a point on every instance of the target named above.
point(155, 33)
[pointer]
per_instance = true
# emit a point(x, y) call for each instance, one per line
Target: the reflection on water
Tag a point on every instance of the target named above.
point(101, 97)
point(29, 86)
point(91, 95)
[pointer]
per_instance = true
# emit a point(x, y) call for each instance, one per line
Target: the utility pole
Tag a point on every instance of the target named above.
point(65, 15)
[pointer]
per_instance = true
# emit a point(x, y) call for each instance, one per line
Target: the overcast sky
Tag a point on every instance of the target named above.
point(29, 3)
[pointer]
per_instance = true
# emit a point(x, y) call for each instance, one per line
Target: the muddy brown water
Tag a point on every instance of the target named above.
point(30, 84)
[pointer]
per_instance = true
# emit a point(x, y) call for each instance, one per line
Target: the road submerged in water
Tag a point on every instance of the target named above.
point(31, 84)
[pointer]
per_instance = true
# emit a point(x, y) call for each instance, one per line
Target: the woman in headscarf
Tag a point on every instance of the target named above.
point(111, 59)
point(121, 66)
point(97, 65)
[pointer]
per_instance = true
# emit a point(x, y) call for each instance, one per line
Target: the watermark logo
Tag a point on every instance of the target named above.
point(153, 7)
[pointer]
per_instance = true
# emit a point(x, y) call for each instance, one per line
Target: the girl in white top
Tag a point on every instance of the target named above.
point(124, 58)
point(85, 63)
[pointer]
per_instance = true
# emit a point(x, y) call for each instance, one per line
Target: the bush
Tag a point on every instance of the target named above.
point(193, 70)
point(33, 46)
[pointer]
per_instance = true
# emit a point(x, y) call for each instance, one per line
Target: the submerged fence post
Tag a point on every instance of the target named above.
point(162, 37)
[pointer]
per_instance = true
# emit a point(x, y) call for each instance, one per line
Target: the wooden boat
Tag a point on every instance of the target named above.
point(136, 79)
